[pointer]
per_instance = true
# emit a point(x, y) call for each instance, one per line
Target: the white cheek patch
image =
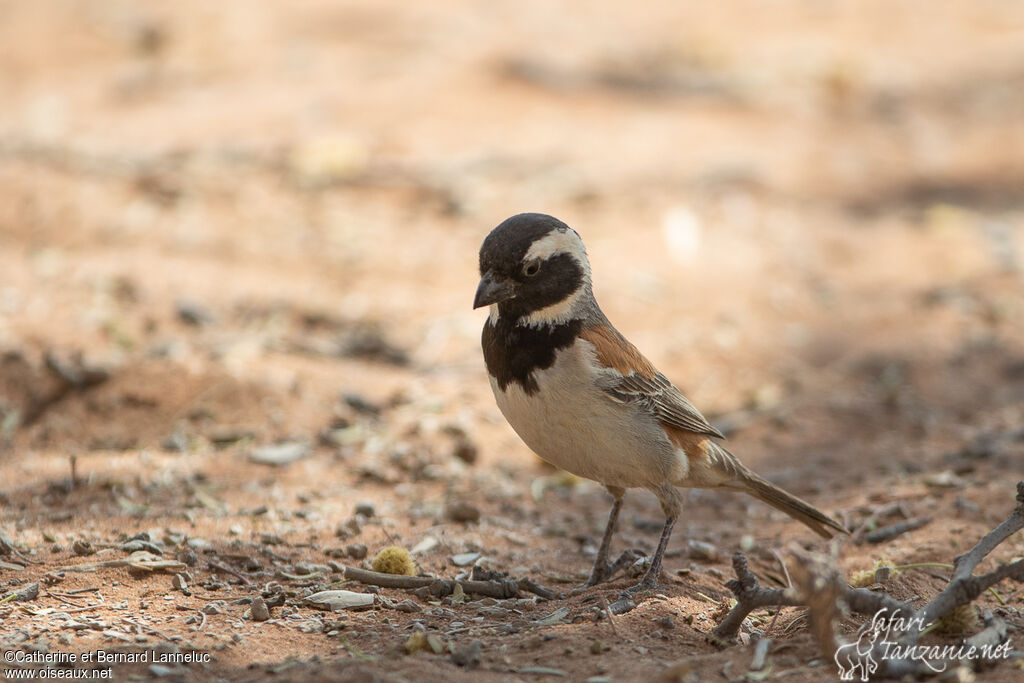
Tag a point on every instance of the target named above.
point(556, 314)
point(560, 242)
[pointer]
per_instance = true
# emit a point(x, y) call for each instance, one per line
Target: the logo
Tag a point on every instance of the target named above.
point(878, 640)
point(855, 657)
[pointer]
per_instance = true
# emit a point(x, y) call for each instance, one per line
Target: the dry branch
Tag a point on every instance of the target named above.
point(819, 588)
point(749, 597)
point(431, 587)
point(887, 533)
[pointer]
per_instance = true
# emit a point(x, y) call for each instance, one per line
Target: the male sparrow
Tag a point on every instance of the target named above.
point(585, 400)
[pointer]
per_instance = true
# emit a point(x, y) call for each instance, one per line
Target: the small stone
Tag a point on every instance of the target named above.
point(179, 582)
point(944, 479)
point(215, 607)
point(349, 528)
point(27, 594)
point(357, 551)
point(192, 313)
point(700, 550)
point(426, 545)
point(280, 454)
point(82, 547)
point(556, 617)
point(337, 600)
point(408, 606)
point(465, 450)
point(162, 671)
point(259, 610)
point(134, 545)
point(666, 622)
point(197, 543)
point(468, 656)
point(366, 509)
point(465, 559)
point(462, 512)
point(187, 557)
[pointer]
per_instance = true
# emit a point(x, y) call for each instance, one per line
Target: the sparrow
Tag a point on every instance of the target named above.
point(584, 399)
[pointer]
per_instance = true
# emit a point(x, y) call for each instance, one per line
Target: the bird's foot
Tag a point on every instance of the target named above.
point(604, 571)
point(647, 583)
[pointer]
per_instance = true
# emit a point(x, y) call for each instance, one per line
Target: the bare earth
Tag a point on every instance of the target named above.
point(236, 224)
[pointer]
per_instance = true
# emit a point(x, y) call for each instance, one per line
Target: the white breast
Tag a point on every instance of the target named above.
point(575, 425)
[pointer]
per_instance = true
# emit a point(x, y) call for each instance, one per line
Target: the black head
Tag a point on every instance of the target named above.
point(532, 264)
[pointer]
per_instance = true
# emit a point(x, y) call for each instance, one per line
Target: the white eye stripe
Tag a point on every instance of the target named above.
point(559, 242)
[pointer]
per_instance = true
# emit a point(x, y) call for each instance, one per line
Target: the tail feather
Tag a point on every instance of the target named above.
point(712, 466)
point(765, 491)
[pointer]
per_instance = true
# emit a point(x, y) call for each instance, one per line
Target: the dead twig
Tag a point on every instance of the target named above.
point(820, 588)
point(878, 513)
point(141, 560)
point(217, 566)
point(611, 617)
point(530, 586)
point(749, 597)
point(964, 587)
point(789, 583)
point(432, 587)
point(887, 533)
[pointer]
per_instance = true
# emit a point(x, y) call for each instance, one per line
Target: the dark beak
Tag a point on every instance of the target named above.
point(492, 290)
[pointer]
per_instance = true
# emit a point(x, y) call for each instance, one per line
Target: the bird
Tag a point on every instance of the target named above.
point(585, 400)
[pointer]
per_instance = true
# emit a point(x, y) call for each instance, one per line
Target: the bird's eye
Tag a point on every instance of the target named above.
point(531, 268)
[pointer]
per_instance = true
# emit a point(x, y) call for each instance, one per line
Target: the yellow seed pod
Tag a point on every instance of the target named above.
point(394, 560)
point(886, 562)
point(862, 579)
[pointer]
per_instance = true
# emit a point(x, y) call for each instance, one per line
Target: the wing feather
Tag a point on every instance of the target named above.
point(635, 380)
point(664, 401)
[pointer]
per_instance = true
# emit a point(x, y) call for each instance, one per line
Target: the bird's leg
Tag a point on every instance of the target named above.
point(650, 580)
point(604, 570)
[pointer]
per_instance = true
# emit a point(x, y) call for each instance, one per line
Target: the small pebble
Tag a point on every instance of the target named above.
point(259, 610)
point(468, 655)
point(462, 512)
point(465, 559)
point(81, 547)
point(408, 606)
point(700, 550)
point(215, 607)
point(357, 551)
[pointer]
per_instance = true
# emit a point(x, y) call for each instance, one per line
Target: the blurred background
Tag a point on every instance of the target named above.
point(764, 187)
point(234, 224)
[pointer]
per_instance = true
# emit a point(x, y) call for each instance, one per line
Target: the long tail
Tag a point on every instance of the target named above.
point(817, 521)
point(740, 478)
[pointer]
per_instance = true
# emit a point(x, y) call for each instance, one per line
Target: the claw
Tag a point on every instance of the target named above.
point(604, 572)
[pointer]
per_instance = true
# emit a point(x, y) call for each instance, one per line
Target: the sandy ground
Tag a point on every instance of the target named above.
point(230, 225)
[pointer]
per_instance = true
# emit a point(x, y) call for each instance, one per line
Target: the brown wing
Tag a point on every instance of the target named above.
point(642, 383)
